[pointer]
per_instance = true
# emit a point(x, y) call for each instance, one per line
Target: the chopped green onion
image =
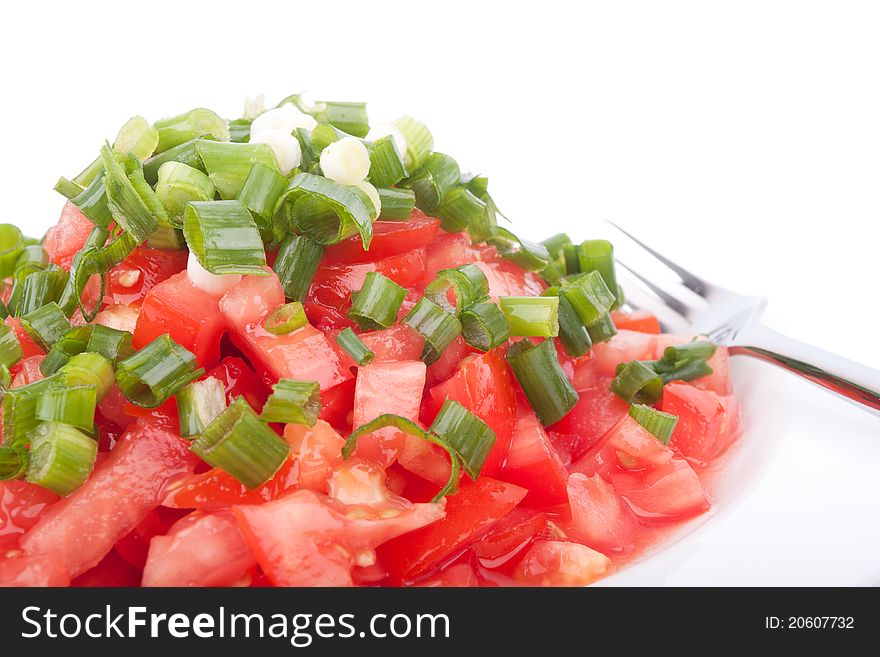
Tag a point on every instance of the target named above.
point(286, 319)
point(350, 117)
point(176, 130)
point(326, 211)
point(10, 348)
point(126, 205)
point(224, 238)
point(694, 350)
point(411, 428)
point(11, 246)
point(240, 130)
point(186, 153)
point(470, 437)
point(13, 463)
point(293, 402)
point(657, 423)
point(438, 175)
point(386, 163)
point(260, 193)
point(486, 225)
point(536, 367)
point(354, 347)
point(93, 203)
point(20, 411)
point(459, 209)
point(46, 325)
point(468, 283)
point(556, 244)
point(167, 239)
point(199, 404)
point(296, 263)
point(688, 370)
point(74, 341)
point(149, 197)
point(89, 369)
point(419, 142)
point(33, 254)
point(637, 383)
point(242, 445)
point(552, 273)
point(67, 188)
point(528, 255)
point(478, 185)
point(61, 458)
point(40, 288)
point(154, 374)
point(397, 204)
point(484, 326)
point(178, 184)
point(228, 164)
point(438, 327)
point(111, 343)
point(323, 135)
point(73, 405)
point(88, 175)
point(531, 316)
point(570, 259)
point(311, 155)
point(5, 379)
point(376, 304)
point(573, 334)
point(137, 137)
point(588, 296)
point(602, 330)
point(598, 255)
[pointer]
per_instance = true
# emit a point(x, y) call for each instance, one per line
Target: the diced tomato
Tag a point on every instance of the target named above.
point(300, 540)
point(133, 547)
point(460, 574)
point(112, 571)
point(239, 380)
point(533, 463)
point(469, 514)
point(317, 449)
point(484, 386)
point(643, 321)
point(394, 387)
point(216, 489)
point(510, 534)
point(557, 563)
point(600, 519)
point(21, 506)
point(707, 423)
point(81, 529)
point(32, 570)
point(597, 410)
point(622, 348)
point(447, 365)
point(28, 371)
point(337, 404)
point(202, 549)
point(672, 491)
point(304, 354)
point(188, 314)
point(448, 251)
point(509, 280)
point(29, 348)
point(630, 446)
point(130, 280)
point(400, 342)
point(390, 238)
point(68, 236)
point(113, 406)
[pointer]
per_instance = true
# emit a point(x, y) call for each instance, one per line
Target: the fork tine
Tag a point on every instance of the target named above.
point(676, 303)
point(689, 279)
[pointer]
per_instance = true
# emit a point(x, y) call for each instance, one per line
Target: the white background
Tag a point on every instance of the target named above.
point(743, 139)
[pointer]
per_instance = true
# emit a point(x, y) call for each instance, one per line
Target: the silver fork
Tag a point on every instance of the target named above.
point(684, 302)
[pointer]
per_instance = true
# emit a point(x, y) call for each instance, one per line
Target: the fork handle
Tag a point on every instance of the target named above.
point(853, 381)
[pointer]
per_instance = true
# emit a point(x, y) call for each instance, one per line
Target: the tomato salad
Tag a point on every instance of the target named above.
point(293, 349)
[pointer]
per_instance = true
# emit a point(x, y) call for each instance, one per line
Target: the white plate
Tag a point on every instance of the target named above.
point(796, 502)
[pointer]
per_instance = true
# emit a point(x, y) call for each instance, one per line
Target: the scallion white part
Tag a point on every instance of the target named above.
point(286, 118)
point(372, 192)
point(206, 281)
point(346, 161)
point(388, 130)
point(285, 146)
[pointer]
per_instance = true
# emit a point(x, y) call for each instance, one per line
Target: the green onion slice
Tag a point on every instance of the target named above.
point(697, 349)
point(13, 462)
point(536, 367)
point(286, 319)
point(11, 246)
point(588, 296)
point(397, 204)
point(598, 255)
point(296, 263)
point(470, 437)
point(229, 164)
point(386, 163)
point(242, 445)
point(10, 347)
point(468, 284)
point(46, 325)
point(293, 402)
point(186, 153)
point(438, 327)
point(40, 288)
point(376, 304)
point(602, 330)
point(354, 347)
point(199, 404)
point(459, 210)
point(127, 207)
point(657, 423)
point(20, 411)
point(176, 130)
point(260, 193)
point(137, 137)
point(326, 211)
point(347, 116)
point(224, 238)
point(154, 374)
point(72, 405)
point(178, 184)
point(637, 383)
point(111, 343)
point(88, 369)
point(531, 316)
point(528, 255)
point(419, 142)
point(437, 176)
point(573, 333)
point(61, 458)
point(484, 326)
point(410, 428)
